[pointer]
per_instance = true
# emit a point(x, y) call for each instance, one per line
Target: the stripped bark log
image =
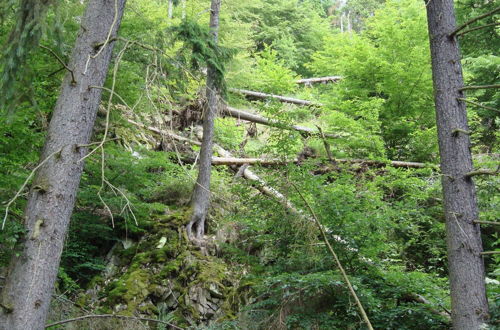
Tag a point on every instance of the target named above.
point(274, 161)
point(284, 99)
point(240, 114)
point(320, 80)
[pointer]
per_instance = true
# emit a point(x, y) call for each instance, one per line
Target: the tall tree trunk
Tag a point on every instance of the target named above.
point(170, 9)
point(201, 195)
point(466, 268)
point(183, 9)
point(25, 299)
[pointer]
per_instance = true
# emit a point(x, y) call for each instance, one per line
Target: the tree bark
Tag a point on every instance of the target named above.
point(466, 268)
point(25, 299)
point(284, 99)
point(201, 195)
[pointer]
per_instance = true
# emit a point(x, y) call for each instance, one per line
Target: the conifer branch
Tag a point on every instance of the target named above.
point(73, 81)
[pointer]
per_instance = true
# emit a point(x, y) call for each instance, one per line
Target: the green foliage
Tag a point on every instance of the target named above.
point(204, 49)
point(388, 61)
point(271, 75)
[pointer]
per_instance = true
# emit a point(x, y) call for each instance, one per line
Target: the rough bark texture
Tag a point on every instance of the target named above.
point(201, 194)
point(30, 281)
point(468, 294)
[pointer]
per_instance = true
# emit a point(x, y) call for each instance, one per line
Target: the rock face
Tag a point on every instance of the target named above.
point(163, 276)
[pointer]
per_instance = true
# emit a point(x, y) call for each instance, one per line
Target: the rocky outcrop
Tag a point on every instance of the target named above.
point(163, 276)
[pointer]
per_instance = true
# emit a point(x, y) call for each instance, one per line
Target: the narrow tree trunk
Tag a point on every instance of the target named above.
point(201, 195)
point(25, 299)
point(183, 9)
point(170, 9)
point(466, 268)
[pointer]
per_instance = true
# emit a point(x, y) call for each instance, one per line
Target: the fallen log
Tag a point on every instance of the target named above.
point(320, 80)
point(240, 114)
point(275, 161)
point(284, 99)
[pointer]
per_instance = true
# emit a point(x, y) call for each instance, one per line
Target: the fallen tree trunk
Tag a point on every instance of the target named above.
point(284, 99)
point(320, 80)
point(276, 161)
point(240, 114)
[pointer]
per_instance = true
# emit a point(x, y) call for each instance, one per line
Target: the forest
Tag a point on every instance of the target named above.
point(227, 164)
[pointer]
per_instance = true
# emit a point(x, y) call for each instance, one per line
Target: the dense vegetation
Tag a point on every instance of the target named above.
point(267, 265)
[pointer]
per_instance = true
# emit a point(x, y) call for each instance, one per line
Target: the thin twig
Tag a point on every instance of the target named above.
point(478, 104)
point(24, 185)
point(479, 87)
point(73, 81)
point(111, 316)
point(477, 28)
point(339, 264)
point(469, 22)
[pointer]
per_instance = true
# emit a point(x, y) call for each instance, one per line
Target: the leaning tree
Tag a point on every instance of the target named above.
point(25, 299)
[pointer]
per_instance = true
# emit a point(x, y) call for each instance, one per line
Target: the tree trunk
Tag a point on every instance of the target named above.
point(201, 194)
point(25, 299)
point(170, 9)
point(466, 268)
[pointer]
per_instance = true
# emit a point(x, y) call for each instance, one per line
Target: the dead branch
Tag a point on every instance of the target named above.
point(482, 172)
point(469, 22)
point(479, 87)
point(481, 222)
point(111, 316)
point(284, 99)
point(477, 28)
point(240, 114)
point(320, 80)
point(73, 81)
point(478, 104)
